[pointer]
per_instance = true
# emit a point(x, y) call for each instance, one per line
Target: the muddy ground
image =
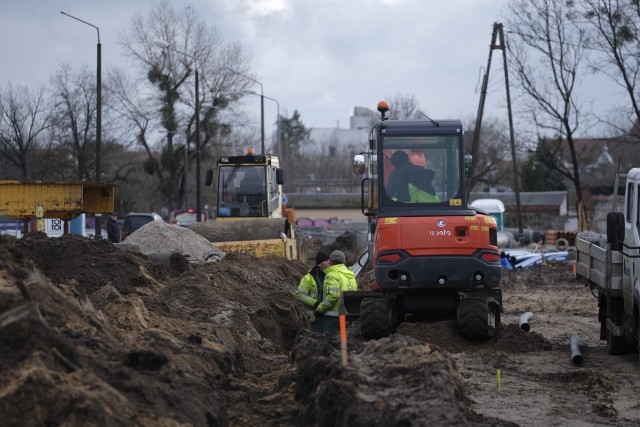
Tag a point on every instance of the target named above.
point(93, 334)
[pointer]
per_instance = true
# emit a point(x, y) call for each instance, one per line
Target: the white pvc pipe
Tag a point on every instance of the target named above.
point(574, 345)
point(523, 321)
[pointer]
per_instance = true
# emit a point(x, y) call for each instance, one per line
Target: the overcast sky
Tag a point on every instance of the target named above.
point(320, 57)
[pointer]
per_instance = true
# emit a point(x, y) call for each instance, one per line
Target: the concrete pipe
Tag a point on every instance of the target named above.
point(506, 240)
point(574, 345)
point(562, 244)
point(523, 321)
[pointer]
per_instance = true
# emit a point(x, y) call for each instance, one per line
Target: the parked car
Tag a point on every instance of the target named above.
point(15, 233)
point(184, 217)
point(134, 220)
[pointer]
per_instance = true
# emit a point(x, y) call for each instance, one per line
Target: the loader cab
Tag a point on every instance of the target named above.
point(249, 186)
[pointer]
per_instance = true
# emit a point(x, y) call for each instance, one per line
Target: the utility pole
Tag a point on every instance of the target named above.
point(514, 159)
point(483, 96)
point(165, 45)
point(498, 32)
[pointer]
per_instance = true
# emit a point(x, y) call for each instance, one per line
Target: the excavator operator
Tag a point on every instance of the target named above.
point(409, 183)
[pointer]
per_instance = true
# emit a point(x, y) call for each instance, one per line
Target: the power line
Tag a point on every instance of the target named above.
point(583, 46)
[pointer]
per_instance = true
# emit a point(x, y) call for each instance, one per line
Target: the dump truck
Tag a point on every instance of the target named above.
point(428, 253)
point(251, 218)
point(611, 268)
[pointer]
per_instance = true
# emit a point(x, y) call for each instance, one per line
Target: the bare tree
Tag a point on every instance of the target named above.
point(74, 116)
point(403, 107)
point(617, 39)
point(192, 45)
point(491, 164)
point(135, 115)
point(546, 56)
point(23, 120)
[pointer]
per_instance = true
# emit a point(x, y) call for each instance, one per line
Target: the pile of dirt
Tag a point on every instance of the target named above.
point(160, 237)
point(91, 264)
point(396, 380)
point(509, 339)
point(90, 332)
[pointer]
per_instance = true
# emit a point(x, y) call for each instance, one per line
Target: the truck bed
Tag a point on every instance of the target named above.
point(598, 265)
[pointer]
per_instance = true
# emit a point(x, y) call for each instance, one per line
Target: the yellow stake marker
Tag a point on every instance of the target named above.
point(498, 389)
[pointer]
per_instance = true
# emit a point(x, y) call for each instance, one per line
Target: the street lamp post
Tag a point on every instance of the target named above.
point(232, 71)
point(186, 169)
point(163, 44)
point(277, 121)
point(98, 231)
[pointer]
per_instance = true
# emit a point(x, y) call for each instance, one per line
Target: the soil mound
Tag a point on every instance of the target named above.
point(107, 335)
point(396, 380)
point(509, 339)
point(160, 237)
point(91, 264)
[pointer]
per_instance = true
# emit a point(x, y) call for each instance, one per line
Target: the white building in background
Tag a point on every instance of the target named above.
point(339, 141)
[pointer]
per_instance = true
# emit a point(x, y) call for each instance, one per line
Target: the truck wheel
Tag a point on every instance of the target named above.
point(377, 318)
point(477, 319)
point(616, 345)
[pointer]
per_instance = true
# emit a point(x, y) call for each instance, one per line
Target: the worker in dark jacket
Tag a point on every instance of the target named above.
point(310, 290)
point(113, 231)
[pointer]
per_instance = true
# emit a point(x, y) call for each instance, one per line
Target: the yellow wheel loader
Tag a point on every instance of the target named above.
point(251, 218)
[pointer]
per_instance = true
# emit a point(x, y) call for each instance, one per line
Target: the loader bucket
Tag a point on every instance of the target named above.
point(350, 301)
point(241, 230)
point(255, 237)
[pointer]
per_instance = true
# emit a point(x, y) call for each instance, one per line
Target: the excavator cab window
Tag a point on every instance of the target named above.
point(420, 169)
